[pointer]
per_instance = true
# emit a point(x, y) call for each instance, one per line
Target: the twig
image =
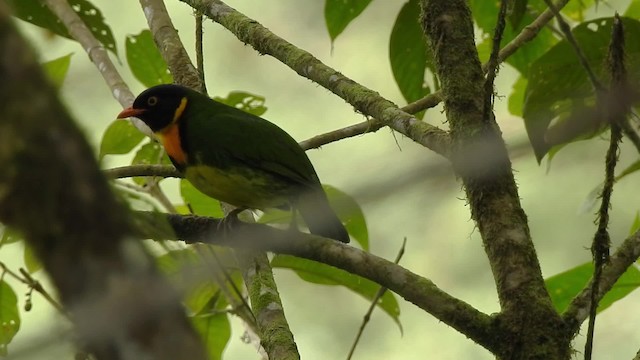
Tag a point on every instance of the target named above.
point(34, 284)
point(199, 54)
point(98, 55)
point(492, 64)
point(169, 44)
point(376, 298)
point(165, 171)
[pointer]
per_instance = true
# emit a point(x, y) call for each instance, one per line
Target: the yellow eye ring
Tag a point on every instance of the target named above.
point(152, 101)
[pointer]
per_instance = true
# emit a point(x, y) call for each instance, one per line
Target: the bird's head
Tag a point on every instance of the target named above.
point(159, 106)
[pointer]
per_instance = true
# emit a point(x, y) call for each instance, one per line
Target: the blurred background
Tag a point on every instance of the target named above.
point(405, 190)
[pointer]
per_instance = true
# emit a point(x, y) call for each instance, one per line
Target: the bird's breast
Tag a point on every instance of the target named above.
point(170, 139)
point(239, 186)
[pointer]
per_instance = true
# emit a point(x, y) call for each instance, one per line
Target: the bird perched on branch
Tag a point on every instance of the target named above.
point(236, 157)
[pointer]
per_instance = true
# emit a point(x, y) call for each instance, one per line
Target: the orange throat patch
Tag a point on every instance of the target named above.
point(170, 139)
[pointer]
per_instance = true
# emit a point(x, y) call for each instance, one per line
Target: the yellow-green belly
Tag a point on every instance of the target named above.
point(240, 187)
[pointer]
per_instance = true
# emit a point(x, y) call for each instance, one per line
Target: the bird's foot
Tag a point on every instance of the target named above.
point(229, 221)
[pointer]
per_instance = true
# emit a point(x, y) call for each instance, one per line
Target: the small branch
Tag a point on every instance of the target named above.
point(376, 298)
point(619, 262)
point(199, 54)
point(165, 171)
point(98, 55)
point(414, 288)
point(363, 99)
point(492, 65)
point(169, 44)
point(34, 284)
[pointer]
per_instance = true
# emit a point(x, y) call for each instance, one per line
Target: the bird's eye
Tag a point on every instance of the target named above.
point(152, 100)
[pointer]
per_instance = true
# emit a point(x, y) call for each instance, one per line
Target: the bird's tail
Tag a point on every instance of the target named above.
point(320, 218)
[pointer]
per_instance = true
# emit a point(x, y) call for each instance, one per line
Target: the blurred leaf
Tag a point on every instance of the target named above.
point(516, 99)
point(339, 13)
point(145, 61)
point(251, 103)
point(149, 153)
point(409, 54)
point(565, 286)
point(215, 332)
point(633, 11)
point(57, 69)
point(629, 170)
point(9, 316)
point(559, 89)
point(37, 13)
point(350, 213)
point(199, 203)
point(485, 14)
point(575, 9)
point(120, 138)
point(636, 224)
point(9, 235)
point(31, 262)
point(318, 273)
point(517, 12)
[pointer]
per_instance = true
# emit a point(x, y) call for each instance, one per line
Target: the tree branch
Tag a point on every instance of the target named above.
point(170, 45)
point(414, 288)
point(120, 306)
point(366, 101)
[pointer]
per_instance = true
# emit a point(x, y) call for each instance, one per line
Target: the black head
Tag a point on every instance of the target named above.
point(157, 106)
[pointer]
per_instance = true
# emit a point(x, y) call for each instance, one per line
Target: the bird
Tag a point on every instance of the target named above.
point(236, 157)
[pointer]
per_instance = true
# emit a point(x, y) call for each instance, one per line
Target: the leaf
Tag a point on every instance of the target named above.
point(247, 102)
point(517, 11)
point(633, 11)
point(319, 273)
point(636, 224)
point(565, 286)
point(145, 61)
point(9, 235)
point(339, 13)
point(516, 99)
point(199, 203)
point(350, 213)
point(31, 262)
point(9, 316)
point(149, 153)
point(575, 9)
point(57, 69)
point(120, 138)
point(559, 89)
point(215, 332)
point(409, 54)
point(37, 13)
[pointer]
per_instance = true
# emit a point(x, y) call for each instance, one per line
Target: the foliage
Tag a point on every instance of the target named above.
point(552, 93)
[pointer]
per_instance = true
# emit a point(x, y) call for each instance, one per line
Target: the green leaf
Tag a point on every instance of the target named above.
point(633, 11)
point(636, 224)
point(9, 235)
point(565, 286)
point(247, 102)
point(37, 13)
point(120, 138)
point(31, 262)
point(9, 316)
point(409, 54)
point(149, 153)
point(57, 69)
point(485, 14)
point(516, 99)
point(339, 13)
point(199, 203)
point(350, 213)
point(145, 61)
point(559, 89)
point(518, 8)
point(319, 273)
point(215, 332)
point(575, 9)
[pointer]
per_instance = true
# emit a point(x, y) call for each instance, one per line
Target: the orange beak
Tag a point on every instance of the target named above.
point(130, 112)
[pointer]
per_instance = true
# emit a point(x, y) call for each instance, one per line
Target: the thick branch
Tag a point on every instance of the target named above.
point(414, 288)
point(52, 190)
point(170, 45)
point(366, 101)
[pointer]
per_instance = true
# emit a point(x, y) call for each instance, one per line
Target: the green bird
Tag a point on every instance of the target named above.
point(236, 157)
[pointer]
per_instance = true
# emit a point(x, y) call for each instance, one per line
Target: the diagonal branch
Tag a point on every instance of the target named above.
point(366, 101)
point(414, 288)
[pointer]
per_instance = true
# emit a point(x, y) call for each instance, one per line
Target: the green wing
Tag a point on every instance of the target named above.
point(225, 137)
